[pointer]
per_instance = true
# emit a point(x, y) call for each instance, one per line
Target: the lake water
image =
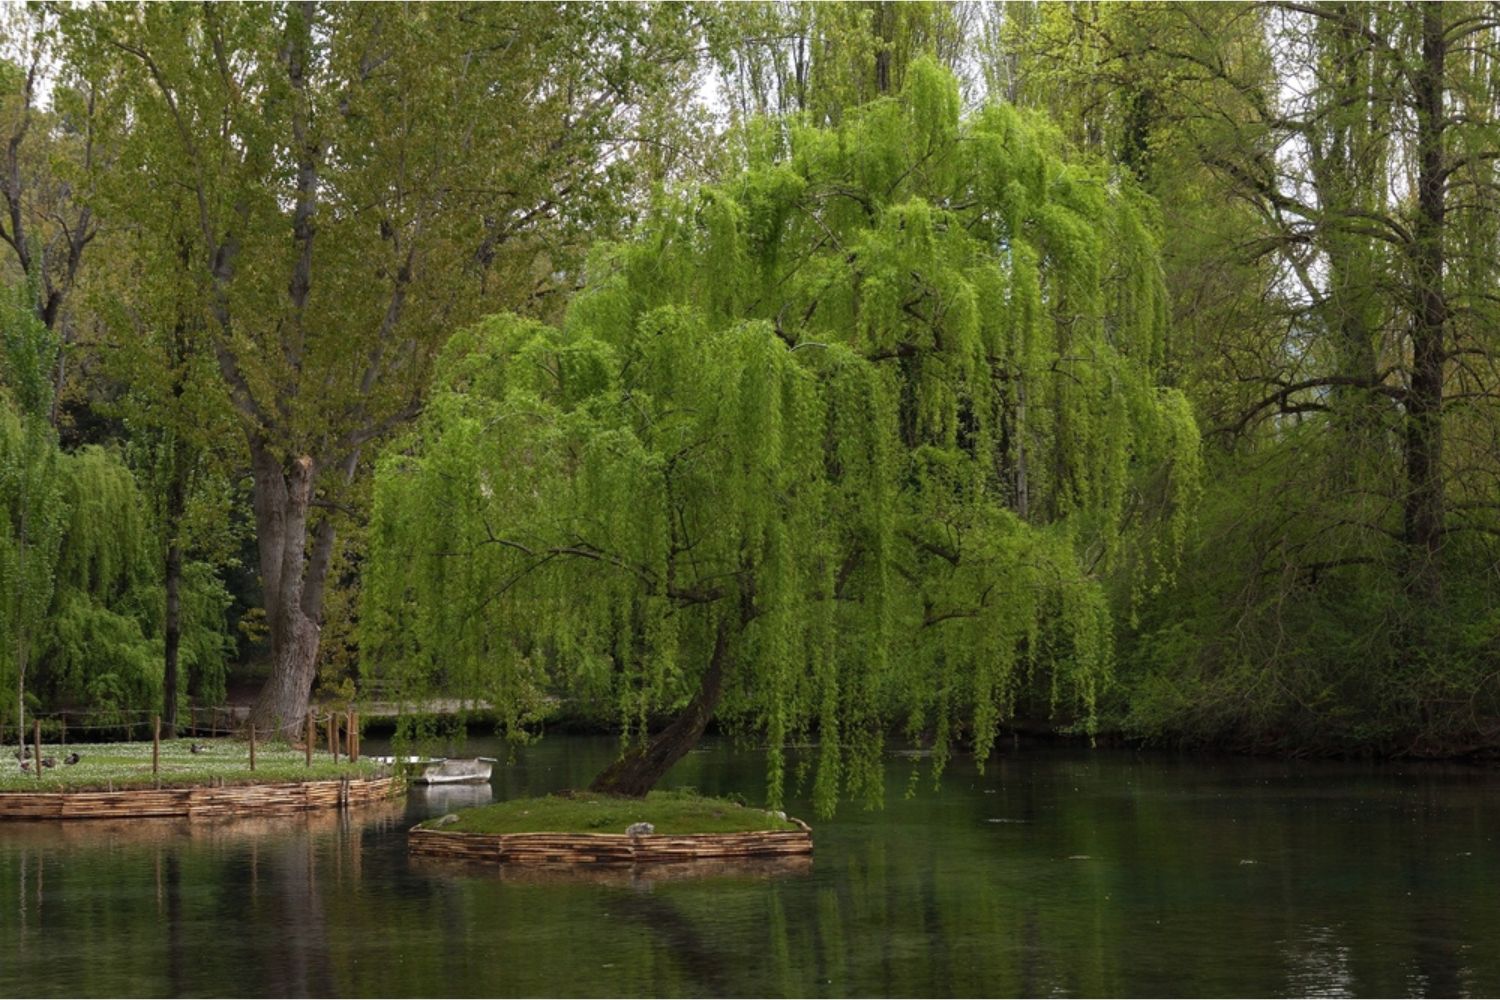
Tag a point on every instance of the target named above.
point(1055, 872)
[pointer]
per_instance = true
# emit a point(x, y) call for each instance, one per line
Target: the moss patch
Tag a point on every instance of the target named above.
point(128, 765)
point(672, 813)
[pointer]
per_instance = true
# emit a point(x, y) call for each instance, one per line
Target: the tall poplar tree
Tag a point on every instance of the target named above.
point(358, 179)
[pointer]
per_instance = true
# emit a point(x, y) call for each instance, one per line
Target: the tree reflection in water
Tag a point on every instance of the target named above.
point(1056, 872)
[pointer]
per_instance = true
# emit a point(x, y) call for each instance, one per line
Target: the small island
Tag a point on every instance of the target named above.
point(591, 828)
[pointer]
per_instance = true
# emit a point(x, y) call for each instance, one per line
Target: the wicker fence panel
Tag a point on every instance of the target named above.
point(198, 802)
point(607, 848)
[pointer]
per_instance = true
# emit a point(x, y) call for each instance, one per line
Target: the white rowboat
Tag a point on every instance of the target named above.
point(443, 770)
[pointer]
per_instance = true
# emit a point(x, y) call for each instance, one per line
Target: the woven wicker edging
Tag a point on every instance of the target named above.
point(199, 801)
point(607, 848)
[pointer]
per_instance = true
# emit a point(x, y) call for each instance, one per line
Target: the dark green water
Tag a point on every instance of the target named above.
point(1056, 872)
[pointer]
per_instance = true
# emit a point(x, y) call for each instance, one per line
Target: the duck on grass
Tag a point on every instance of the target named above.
point(100, 766)
point(674, 813)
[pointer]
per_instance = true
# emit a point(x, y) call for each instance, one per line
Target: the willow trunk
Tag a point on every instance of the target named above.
point(638, 769)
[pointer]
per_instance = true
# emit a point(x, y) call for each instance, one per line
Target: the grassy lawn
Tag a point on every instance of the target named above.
point(677, 812)
point(128, 765)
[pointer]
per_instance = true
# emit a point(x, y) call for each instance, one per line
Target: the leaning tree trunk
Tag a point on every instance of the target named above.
point(640, 768)
point(293, 587)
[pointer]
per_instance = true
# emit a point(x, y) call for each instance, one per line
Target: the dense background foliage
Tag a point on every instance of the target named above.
point(900, 331)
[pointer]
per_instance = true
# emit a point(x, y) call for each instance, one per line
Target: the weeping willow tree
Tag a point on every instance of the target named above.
point(81, 593)
point(867, 435)
point(32, 510)
point(104, 640)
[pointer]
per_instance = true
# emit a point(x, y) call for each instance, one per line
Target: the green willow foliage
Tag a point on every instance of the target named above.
point(80, 585)
point(876, 417)
point(32, 511)
point(104, 645)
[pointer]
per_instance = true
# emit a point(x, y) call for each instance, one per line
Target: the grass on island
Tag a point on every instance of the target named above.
point(676, 813)
point(128, 765)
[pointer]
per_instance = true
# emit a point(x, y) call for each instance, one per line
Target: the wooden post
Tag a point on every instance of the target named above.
point(155, 742)
point(349, 735)
point(354, 736)
point(333, 733)
point(252, 746)
point(36, 746)
point(311, 735)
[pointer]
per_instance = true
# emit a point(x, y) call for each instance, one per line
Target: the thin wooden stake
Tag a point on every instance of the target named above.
point(354, 736)
point(311, 735)
point(36, 747)
point(155, 742)
point(349, 735)
point(252, 746)
point(333, 733)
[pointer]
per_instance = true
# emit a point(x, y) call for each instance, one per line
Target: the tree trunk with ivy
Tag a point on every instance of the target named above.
point(1425, 507)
